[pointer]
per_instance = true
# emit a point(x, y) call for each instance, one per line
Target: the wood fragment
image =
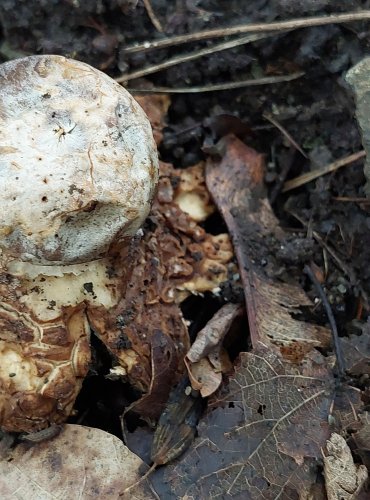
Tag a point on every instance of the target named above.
point(337, 347)
point(285, 133)
point(154, 19)
point(190, 56)
point(314, 174)
point(276, 26)
point(267, 80)
point(43, 435)
point(352, 199)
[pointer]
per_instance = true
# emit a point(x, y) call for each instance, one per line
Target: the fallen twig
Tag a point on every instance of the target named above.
point(218, 86)
point(348, 17)
point(352, 199)
point(314, 174)
point(154, 19)
point(189, 57)
point(285, 168)
point(333, 325)
point(285, 133)
point(140, 481)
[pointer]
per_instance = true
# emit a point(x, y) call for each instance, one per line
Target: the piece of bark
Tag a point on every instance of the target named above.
point(236, 184)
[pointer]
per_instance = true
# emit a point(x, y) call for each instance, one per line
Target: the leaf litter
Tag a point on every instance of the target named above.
point(265, 428)
point(264, 431)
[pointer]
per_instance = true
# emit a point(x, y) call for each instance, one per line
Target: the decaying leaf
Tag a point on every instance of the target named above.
point(80, 462)
point(346, 408)
point(362, 436)
point(205, 360)
point(343, 478)
point(263, 433)
point(164, 364)
point(236, 184)
point(177, 424)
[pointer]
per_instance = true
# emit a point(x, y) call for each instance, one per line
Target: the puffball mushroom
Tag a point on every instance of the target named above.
point(78, 171)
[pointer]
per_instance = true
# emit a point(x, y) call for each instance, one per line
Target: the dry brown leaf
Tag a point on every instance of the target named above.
point(213, 333)
point(177, 424)
point(343, 479)
point(80, 462)
point(203, 360)
point(203, 376)
point(236, 184)
point(263, 433)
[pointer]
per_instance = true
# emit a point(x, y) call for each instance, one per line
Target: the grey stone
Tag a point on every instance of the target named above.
point(359, 79)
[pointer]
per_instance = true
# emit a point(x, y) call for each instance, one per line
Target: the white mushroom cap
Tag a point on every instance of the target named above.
point(78, 163)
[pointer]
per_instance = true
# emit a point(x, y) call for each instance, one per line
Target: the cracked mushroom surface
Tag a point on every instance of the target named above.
point(78, 171)
point(174, 259)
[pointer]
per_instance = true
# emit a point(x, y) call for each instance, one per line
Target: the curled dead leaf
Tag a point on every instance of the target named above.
point(205, 360)
point(177, 424)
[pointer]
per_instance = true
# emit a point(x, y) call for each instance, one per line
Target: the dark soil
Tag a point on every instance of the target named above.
point(317, 109)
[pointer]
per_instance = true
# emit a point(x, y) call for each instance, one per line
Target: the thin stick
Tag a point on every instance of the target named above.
point(140, 480)
point(314, 174)
point(292, 24)
point(218, 86)
point(285, 133)
point(351, 199)
point(282, 175)
point(333, 325)
point(155, 21)
point(189, 57)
